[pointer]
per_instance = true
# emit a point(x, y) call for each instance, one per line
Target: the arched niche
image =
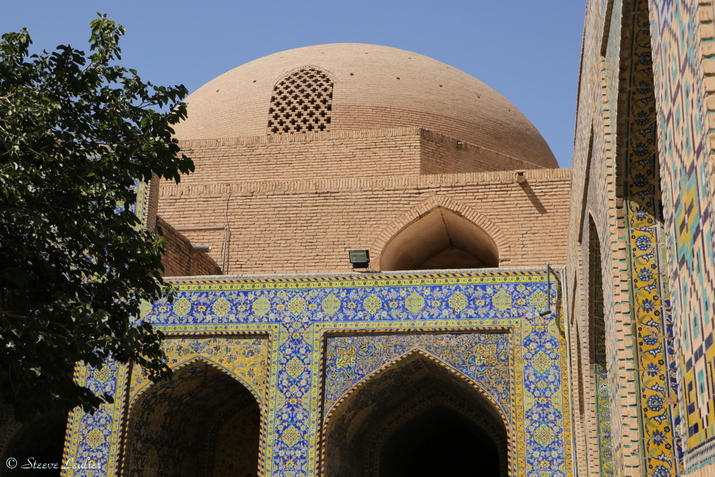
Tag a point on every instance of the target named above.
point(596, 313)
point(440, 239)
point(599, 379)
point(201, 423)
point(415, 418)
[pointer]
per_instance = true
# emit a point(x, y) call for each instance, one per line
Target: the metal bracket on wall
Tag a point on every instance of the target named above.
point(549, 271)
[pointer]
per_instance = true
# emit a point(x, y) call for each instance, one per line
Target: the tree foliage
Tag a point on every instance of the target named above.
point(76, 132)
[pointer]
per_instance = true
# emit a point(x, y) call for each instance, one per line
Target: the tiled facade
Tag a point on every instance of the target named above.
point(601, 364)
point(643, 172)
point(286, 340)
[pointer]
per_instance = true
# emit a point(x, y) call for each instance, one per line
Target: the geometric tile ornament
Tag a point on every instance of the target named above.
point(483, 357)
point(245, 359)
point(688, 204)
point(329, 333)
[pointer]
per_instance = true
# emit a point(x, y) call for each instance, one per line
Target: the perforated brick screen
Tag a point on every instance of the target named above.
point(301, 102)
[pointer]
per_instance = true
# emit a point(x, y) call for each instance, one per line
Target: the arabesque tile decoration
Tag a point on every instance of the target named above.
point(485, 326)
point(638, 162)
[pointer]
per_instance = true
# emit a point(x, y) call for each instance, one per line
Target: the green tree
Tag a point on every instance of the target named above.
point(76, 133)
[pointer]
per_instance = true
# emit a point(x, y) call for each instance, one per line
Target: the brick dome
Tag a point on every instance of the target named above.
point(351, 86)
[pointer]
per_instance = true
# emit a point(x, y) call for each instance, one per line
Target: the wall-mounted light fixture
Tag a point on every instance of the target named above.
point(200, 248)
point(519, 177)
point(359, 258)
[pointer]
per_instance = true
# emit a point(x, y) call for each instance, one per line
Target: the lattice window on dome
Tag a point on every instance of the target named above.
point(301, 102)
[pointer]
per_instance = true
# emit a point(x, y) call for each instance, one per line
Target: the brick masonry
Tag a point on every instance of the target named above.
point(179, 259)
point(307, 226)
point(374, 87)
point(365, 153)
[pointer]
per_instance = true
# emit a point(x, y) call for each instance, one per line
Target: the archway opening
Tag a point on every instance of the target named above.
point(415, 418)
point(439, 441)
point(440, 239)
point(201, 423)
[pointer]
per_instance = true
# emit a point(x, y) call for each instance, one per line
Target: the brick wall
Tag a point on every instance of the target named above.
point(179, 260)
point(442, 154)
point(376, 152)
point(307, 226)
point(513, 139)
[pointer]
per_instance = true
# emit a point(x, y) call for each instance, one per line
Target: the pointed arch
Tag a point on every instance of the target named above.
point(146, 384)
point(202, 422)
point(597, 356)
point(419, 352)
point(411, 398)
point(440, 232)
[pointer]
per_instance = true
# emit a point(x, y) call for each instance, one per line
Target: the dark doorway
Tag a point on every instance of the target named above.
point(415, 418)
point(439, 442)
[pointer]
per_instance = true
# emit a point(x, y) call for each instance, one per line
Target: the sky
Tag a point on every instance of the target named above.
point(528, 50)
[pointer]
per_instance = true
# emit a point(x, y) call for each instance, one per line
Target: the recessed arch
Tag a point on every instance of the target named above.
point(596, 312)
point(441, 233)
point(203, 422)
point(259, 396)
point(440, 239)
point(375, 427)
point(597, 355)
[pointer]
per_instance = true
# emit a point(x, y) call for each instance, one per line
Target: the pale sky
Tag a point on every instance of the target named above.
point(528, 50)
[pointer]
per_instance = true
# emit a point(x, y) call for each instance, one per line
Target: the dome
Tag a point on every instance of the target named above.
point(361, 87)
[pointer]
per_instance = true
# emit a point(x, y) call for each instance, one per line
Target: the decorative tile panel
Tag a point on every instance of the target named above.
point(93, 439)
point(603, 417)
point(638, 164)
point(686, 162)
point(244, 358)
point(486, 326)
point(483, 357)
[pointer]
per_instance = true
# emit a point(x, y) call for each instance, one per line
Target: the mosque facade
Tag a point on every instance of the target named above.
point(380, 270)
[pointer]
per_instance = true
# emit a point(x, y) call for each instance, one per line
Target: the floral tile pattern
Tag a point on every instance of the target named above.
point(288, 339)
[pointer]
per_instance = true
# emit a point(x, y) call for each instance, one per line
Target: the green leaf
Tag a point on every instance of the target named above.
point(77, 131)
